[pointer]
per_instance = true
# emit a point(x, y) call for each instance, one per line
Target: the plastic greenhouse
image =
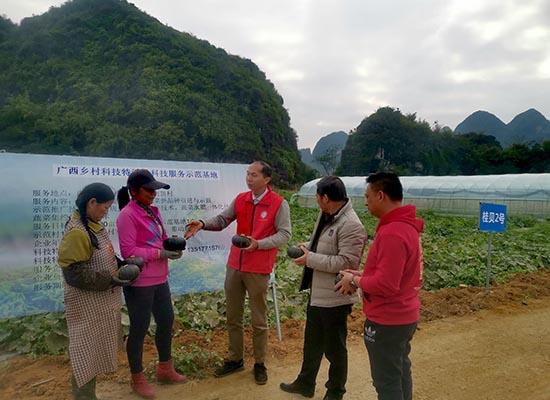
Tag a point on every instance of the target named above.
point(522, 193)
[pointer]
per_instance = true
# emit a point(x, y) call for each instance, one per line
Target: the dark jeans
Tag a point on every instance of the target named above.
point(389, 347)
point(326, 333)
point(141, 302)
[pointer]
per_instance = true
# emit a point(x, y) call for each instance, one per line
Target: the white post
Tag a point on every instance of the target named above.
point(275, 305)
point(488, 270)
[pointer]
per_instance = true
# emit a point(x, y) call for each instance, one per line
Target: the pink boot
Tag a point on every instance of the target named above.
point(141, 387)
point(167, 374)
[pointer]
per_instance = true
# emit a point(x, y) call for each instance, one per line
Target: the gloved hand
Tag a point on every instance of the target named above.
point(119, 282)
point(135, 260)
point(172, 255)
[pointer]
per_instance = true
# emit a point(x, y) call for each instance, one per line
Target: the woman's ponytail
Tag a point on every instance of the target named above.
point(123, 197)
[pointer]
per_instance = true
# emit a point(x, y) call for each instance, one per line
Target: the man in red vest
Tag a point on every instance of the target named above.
point(264, 217)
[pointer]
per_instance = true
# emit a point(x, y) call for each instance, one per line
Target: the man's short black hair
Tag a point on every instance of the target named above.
point(333, 187)
point(387, 182)
point(267, 171)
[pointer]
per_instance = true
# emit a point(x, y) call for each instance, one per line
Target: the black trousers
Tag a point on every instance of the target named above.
point(141, 302)
point(389, 347)
point(326, 334)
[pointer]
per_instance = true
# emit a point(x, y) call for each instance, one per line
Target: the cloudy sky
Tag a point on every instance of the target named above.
point(336, 61)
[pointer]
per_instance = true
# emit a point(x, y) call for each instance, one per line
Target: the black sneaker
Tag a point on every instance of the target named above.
point(260, 374)
point(295, 387)
point(330, 396)
point(229, 367)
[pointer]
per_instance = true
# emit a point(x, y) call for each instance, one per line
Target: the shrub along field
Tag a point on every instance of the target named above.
point(455, 253)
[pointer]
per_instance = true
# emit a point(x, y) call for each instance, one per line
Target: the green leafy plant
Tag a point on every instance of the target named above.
point(201, 311)
point(35, 334)
point(193, 360)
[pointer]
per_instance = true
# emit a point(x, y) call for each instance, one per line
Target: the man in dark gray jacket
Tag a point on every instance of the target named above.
point(338, 240)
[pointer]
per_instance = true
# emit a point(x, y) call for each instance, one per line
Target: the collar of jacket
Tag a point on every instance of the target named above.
point(141, 209)
point(405, 214)
point(250, 197)
point(331, 217)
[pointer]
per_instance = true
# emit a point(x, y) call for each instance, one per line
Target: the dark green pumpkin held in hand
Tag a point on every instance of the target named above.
point(240, 241)
point(129, 272)
point(174, 243)
point(294, 252)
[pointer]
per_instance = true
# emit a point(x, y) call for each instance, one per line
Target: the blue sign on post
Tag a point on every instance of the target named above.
point(492, 217)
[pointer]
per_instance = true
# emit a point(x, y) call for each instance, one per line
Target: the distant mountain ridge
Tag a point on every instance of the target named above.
point(305, 155)
point(337, 139)
point(330, 145)
point(528, 126)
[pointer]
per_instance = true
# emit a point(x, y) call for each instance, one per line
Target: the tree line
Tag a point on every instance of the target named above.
point(389, 139)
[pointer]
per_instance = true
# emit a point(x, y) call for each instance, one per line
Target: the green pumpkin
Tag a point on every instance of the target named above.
point(128, 273)
point(294, 252)
point(174, 243)
point(240, 241)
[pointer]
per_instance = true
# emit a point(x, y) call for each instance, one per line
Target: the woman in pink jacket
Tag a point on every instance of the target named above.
point(141, 233)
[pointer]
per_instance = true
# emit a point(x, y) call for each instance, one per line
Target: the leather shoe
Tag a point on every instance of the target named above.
point(260, 374)
point(295, 387)
point(330, 396)
point(229, 367)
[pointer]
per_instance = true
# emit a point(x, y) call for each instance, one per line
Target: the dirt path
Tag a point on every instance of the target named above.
point(471, 345)
point(499, 354)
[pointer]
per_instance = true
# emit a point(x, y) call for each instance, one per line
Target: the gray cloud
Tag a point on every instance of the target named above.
point(335, 62)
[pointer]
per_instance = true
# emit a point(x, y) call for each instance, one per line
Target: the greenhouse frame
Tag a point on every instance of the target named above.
point(521, 193)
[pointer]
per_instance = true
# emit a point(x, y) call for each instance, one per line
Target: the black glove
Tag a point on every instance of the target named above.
point(136, 261)
point(119, 282)
point(130, 260)
point(172, 255)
